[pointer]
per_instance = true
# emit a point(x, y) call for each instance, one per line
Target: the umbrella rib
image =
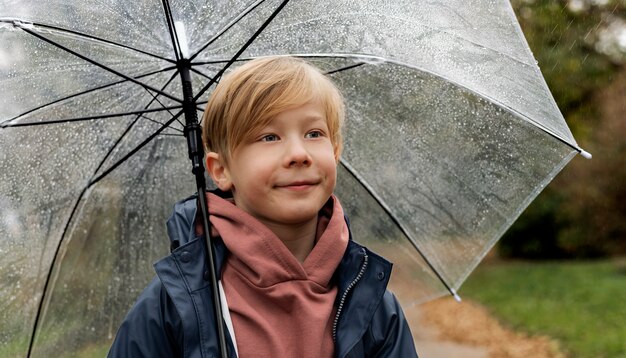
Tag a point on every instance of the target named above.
point(88, 118)
point(228, 27)
point(94, 62)
point(160, 123)
point(108, 42)
point(135, 150)
point(345, 68)
point(49, 275)
point(200, 73)
point(155, 98)
point(387, 210)
point(214, 62)
point(85, 92)
point(242, 49)
point(171, 135)
point(172, 30)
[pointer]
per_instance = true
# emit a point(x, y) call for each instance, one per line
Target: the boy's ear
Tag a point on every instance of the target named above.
point(218, 171)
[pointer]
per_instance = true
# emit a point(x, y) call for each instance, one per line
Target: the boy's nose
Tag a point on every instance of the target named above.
point(297, 154)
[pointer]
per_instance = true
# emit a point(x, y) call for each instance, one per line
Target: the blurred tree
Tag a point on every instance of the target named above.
point(580, 46)
point(594, 206)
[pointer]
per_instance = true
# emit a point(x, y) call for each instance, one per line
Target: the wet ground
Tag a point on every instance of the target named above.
point(446, 328)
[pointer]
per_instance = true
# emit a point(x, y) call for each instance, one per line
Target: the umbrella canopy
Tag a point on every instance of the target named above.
point(451, 132)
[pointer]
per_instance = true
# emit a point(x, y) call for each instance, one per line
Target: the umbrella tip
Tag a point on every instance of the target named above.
point(455, 295)
point(585, 154)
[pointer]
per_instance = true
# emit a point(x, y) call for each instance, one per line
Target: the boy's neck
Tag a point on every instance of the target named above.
point(299, 238)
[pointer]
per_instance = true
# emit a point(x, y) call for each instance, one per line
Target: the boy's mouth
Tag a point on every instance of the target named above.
point(298, 185)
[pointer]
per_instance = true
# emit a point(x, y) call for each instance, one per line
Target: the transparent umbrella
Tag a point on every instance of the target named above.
point(451, 132)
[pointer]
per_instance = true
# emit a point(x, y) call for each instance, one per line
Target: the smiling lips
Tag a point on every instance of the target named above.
point(299, 185)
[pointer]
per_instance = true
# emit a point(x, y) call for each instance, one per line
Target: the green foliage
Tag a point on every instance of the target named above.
point(578, 215)
point(581, 304)
point(563, 44)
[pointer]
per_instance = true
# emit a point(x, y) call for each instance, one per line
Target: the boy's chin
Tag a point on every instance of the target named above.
point(294, 216)
point(296, 219)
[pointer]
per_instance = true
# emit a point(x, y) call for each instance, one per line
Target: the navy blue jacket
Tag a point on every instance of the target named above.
point(173, 317)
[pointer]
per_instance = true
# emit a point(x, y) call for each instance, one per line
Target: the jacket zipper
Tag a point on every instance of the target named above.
point(346, 292)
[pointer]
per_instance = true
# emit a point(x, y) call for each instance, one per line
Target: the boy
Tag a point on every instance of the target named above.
point(295, 283)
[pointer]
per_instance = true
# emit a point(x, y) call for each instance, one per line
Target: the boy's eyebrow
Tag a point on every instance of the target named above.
point(314, 120)
point(314, 116)
point(306, 117)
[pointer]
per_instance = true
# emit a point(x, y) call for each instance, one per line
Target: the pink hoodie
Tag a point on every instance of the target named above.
point(279, 307)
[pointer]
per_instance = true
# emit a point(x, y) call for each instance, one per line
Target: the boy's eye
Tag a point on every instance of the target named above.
point(314, 134)
point(269, 138)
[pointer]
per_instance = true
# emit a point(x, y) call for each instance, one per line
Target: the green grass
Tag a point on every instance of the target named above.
point(581, 304)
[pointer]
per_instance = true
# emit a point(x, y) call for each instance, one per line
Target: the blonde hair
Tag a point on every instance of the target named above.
point(248, 98)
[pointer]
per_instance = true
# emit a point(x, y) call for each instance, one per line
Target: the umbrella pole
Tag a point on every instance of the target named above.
point(196, 154)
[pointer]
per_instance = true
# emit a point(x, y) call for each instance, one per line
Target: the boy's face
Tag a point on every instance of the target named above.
point(287, 172)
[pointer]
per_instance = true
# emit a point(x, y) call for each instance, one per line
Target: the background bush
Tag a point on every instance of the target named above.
point(582, 213)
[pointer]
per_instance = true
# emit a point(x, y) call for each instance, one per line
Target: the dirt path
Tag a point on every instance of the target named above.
point(445, 328)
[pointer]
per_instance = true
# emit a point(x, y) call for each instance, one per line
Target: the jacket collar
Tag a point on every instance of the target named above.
point(181, 231)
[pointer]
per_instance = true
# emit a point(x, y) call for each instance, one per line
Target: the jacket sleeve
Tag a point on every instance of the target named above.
point(392, 330)
point(152, 328)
